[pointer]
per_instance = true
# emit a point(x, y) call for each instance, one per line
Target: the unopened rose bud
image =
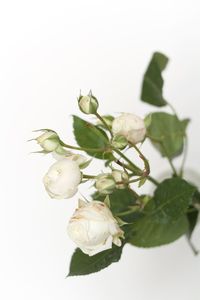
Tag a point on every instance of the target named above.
point(49, 141)
point(105, 184)
point(88, 104)
point(62, 179)
point(121, 179)
point(119, 141)
point(130, 126)
point(93, 228)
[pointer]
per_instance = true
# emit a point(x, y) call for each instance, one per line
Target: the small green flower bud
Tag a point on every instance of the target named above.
point(119, 141)
point(49, 141)
point(121, 177)
point(88, 104)
point(105, 184)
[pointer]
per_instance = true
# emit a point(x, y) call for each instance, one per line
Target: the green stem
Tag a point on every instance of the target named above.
point(172, 166)
point(172, 108)
point(184, 156)
point(104, 123)
point(135, 171)
point(83, 148)
point(131, 174)
point(154, 181)
point(185, 152)
point(89, 176)
point(145, 160)
point(169, 160)
point(128, 212)
point(147, 177)
point(194, 250)
point(125, 166)
point(130, 181)
point(132, 166)
point(165, 153)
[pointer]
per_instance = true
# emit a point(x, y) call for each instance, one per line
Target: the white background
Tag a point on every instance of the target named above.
point(49, 51)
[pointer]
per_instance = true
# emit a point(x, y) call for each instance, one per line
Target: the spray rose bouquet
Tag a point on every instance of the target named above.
point(117, 214)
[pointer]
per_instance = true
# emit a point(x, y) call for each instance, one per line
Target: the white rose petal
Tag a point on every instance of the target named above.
point(78, 158)
point(61, 153)
point(130, 126)
point(62, 179)
point(93, 228)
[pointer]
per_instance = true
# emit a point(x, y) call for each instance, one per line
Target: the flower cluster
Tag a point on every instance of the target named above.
point(118, 212)
point(92, 227)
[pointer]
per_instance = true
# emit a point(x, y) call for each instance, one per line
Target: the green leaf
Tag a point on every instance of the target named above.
point(196, 197)
point(172, 198)
point(192, 219)
point(91, 137)
point(152, 86)
point(164, 218)
point(185, 123)
point(193, 214)
point(149, 232)
point(120, 201)
point(167, 133)
point(83, 264)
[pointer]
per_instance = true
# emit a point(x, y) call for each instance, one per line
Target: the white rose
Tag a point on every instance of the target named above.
point(130, 126)
point(62, 179)
point(93, 228)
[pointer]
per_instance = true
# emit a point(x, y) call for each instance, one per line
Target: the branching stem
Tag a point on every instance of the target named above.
point(104, 123)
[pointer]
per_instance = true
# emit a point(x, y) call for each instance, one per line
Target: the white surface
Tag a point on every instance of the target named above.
point(49, 50)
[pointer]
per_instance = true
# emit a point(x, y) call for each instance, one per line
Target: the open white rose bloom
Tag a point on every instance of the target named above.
point(130, 126)
point(93, 228)
point(62, 179)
